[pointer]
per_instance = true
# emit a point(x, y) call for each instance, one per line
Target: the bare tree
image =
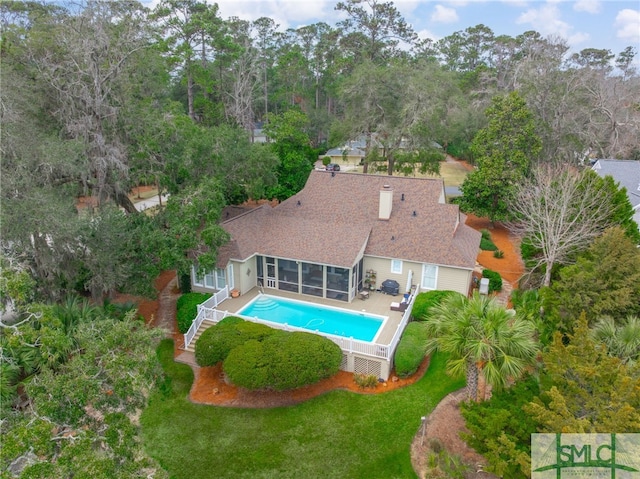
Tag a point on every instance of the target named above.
point(559, 211)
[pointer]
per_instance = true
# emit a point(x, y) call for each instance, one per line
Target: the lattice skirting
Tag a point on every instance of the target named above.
point(367, 367)
point(356, 364)
point(344, 365)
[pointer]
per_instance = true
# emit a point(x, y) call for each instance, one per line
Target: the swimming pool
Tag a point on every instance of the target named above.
point(314, 317)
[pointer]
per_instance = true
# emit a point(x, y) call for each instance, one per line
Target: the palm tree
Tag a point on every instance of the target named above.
point(484, 341)
point(621, 340)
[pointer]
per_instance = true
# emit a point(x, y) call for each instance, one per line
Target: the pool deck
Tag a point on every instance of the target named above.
point(377, 303)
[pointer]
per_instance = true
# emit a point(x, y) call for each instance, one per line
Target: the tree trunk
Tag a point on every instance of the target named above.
point(192, 114)
point(472, 381)
point(123, 200)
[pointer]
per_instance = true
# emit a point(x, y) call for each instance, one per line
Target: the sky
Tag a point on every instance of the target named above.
point(602, 24)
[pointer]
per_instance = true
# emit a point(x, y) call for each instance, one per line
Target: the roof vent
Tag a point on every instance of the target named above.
point(414, 213)
point(402, 197)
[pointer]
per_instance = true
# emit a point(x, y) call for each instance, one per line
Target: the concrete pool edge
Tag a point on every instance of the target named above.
point(350, 312)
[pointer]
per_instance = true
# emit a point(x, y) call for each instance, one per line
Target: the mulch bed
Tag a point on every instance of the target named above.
point(210, 388)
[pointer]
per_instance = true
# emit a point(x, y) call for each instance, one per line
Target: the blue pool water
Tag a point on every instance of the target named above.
point(314, 317)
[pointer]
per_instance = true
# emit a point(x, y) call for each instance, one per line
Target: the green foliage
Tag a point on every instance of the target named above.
point(482, 338)
point(584, 389)
point(411, 349)
point(503, 152)
point(326, 160)
point(91, 374)
point(184, 280)
point(604, 281)
point(425, 301)
point(500, 430)
point(495, 280)
point(498, 254)
point(529, 254)
point(365, 381)
point(443, 464)
point(216, 342)
point(622, 211)
point(291, 143)
point(622, 339)
point(189, 226)
point(487, 245)
point(187, 309)
point(283, 361)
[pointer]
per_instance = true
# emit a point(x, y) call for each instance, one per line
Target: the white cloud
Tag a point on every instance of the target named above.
point(286, 13)
point(443, 14)
point(546, 20)
point(424, 33)
point(628, 25)
point(589, 6)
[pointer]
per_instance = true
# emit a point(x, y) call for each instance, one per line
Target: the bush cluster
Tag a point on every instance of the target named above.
point(282, 361)
point(486, 244)
point(425, 301)
point(187, 309)
point(215, 344)
point(365, 381)
point(495, 280)
point(411, 349)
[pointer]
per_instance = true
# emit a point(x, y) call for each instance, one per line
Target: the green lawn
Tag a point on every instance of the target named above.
point(337, 435)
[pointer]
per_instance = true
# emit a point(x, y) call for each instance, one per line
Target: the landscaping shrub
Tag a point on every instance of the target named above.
point(365, 380)
point(215, 344)
point(424, 301)
point(498, 254)
point(411, 349)
point(187, 309)
point(485, 242)
point(495, 280)
point(283, 361)
point(184, 281)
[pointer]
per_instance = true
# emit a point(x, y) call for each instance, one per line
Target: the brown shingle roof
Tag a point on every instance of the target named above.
point(335, 218)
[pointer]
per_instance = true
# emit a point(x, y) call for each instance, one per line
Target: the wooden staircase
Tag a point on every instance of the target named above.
point(205, 324)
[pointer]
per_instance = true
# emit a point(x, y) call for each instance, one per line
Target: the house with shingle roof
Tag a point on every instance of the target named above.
point(627, 174)
point(328, 239)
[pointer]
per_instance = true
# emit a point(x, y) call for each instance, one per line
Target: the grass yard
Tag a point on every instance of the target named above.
point(337, 435)
point(452, 172)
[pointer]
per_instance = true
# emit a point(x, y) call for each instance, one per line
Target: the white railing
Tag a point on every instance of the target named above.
point(204, 312)
point(216, 298)
point(348, 345)
point(403, 323)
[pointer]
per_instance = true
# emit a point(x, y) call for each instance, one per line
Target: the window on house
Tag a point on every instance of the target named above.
point(209, 280)
point(396, 266)
point(429, 276)
point(197, 280)
point(221, 279)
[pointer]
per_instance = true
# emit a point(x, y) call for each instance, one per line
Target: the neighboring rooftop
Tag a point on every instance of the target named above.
point(335, 218)
point(627, 174)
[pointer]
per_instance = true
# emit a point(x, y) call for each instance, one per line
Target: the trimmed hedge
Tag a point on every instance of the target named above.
point(486, 244)
point(424, 301)
point(215, 344)
point(411, 349)
point(187, 309)
point(495, 280)
point(283, 361)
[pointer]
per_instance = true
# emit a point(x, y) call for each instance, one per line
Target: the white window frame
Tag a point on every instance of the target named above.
point(197, 280)
point(230, 278)
point(396, 266)
point(429, 282)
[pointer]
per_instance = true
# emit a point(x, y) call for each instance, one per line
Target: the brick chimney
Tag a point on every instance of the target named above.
point(386, 202)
